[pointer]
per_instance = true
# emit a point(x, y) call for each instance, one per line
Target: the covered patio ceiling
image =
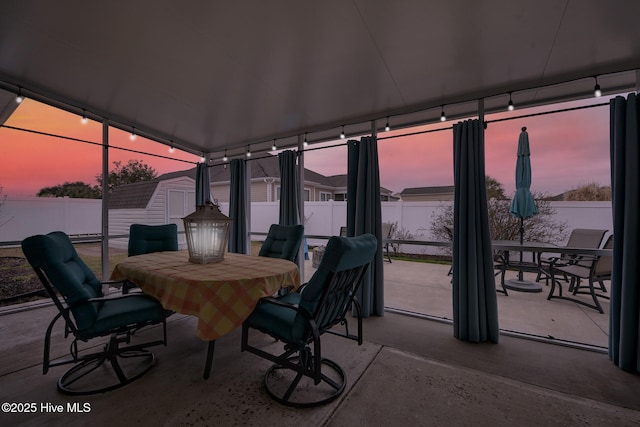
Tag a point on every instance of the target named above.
point(211, 76)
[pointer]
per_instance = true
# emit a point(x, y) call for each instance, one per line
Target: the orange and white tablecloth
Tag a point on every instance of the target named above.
point(222, 295)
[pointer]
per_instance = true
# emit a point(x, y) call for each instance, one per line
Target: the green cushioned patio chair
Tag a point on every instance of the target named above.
point(144, 239)
point(298, 319)
point(283, 241)
point(89, 315)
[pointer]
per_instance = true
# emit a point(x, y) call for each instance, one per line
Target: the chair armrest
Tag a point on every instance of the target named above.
point(112, 297)
point(294, 307)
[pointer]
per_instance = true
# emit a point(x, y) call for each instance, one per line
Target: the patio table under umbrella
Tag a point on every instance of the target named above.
point(523, 206)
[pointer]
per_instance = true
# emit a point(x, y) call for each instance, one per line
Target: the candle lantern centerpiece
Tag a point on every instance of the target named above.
point(207, 231)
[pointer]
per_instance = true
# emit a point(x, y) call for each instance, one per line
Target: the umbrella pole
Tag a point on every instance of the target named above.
point(520, 276)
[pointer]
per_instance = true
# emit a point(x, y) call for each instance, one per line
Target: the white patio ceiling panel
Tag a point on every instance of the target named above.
point(215, 75)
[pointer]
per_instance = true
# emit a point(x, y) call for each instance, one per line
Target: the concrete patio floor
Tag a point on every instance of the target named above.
point(410, 370)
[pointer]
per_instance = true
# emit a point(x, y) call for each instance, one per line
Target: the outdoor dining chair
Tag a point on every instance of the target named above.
point(283, 241)
point(591, 269)
point(299, 319)
point(89, 315)
point(579, 238)
point(144, 239)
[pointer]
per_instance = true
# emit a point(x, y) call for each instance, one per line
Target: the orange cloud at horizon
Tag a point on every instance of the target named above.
point(32, 161)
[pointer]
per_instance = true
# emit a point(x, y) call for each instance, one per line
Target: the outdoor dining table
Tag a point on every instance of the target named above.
point(221, 295)
point(536, 248)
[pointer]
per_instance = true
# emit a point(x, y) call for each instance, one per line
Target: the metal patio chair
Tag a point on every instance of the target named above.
point(584, 268)
point(299, 319)
point(89, 315)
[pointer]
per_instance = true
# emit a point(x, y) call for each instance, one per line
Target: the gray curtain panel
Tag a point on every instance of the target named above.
point(624, 316)
point(364, 215)
point(289, 188)
point(203, 184)
point(238, 212)
point(475, 306)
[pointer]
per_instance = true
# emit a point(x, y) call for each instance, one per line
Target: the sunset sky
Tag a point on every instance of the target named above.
point(567, 150)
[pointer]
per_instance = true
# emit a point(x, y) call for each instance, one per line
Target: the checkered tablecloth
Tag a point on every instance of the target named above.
point(222, 295)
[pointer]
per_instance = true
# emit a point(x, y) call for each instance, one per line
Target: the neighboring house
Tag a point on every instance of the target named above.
point(427, 194)
point(171, 196)
point(265, 183)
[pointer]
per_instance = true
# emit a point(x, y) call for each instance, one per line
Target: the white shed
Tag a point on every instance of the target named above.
point(151, 202)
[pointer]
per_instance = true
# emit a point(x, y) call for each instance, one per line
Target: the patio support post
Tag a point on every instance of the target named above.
point(105, 200)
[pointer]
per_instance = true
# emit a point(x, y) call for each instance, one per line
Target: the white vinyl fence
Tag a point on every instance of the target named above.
point(23, 217)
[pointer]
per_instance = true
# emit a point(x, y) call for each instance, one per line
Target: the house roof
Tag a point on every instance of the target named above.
point(133, 196)
point(263, 167)
point(414, 191)
point(211, 76)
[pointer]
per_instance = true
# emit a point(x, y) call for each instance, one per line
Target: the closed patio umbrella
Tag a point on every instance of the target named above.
point(523, 206)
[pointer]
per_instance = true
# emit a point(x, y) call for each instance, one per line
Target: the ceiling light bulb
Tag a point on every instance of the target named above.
point(132, 137)
point(342, 135)
point(83, 120)
point(19, 97)
point(305, 142)
point(225, 158)
point(172, 149)
point(510, 106)
point(248, 152)
point(442, 116)
point(596, 90)
point(273, 147)
point(387, 128)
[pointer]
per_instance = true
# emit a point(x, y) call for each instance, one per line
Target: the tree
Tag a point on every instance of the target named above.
point(133, 171)
point(503, 225)
point(75, 190)
point(495, 190)
point(589, 192)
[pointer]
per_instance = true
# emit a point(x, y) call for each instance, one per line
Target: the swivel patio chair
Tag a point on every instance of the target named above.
point(592, 270)
point(283, 241)
point(88, 315)
point(144, 239)
point(299, 319)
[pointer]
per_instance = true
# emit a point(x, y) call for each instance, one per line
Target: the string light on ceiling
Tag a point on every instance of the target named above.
point(19, 97)
point(596, 89)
